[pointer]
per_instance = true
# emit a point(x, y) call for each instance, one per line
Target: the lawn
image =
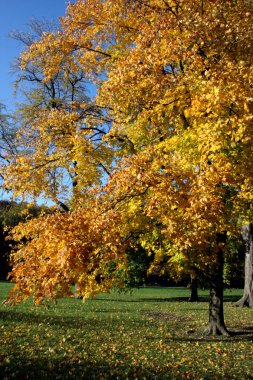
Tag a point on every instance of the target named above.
point(153, 333)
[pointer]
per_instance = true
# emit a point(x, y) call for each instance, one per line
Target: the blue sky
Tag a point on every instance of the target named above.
point(15, 15)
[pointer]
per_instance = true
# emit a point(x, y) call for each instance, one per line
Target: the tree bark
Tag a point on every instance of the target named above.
point(247, 298)
point(216, 324)
point(76, 294)
point(194, 289)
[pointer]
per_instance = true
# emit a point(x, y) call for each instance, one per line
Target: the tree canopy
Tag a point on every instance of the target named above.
point(174, 89)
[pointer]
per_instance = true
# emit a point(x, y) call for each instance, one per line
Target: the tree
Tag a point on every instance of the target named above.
point(247, 298)
point(194, 289)
point(174, 78)
point(59, 130)
point(7, 136)
point(12, 213)
point(234, 260)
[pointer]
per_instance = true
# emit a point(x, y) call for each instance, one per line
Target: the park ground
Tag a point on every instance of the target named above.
point(152, 333)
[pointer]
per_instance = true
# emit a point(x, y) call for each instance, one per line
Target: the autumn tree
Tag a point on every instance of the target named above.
point(175, 80)
point(59, 129)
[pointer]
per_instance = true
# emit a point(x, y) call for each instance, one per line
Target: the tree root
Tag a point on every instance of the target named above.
point(193, 299)
point(215, 330)
point(245, 301)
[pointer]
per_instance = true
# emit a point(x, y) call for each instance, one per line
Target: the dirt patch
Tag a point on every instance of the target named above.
point(169, 317)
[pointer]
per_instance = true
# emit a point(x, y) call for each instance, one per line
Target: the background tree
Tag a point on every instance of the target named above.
point(11, 214)
point(234, 262)
point(247, 298)
point(7, 136)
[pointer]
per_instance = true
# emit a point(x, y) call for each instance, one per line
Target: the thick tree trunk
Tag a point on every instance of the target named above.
point(216, 324)
point(194, 289)
point(247, 298)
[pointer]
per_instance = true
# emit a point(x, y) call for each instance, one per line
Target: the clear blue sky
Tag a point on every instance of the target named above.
point(15, 15)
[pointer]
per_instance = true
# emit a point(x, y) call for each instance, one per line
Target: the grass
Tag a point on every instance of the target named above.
point(152, 334)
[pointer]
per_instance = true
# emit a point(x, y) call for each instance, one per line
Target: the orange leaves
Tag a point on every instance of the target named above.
point(174, 83)
point(65, 248)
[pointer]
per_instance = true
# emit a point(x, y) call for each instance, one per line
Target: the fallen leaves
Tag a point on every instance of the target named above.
point(124, 336)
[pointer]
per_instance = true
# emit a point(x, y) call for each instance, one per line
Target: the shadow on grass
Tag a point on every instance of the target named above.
point(237, 333)
point(141, 300)
point(226, 298)
point(80, 368)
point(58, 321)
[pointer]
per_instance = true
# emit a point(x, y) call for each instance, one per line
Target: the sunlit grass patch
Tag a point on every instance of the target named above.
point(154, 333)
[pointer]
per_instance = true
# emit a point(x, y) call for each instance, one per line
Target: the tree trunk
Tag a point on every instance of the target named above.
point(194, 289)
point(247, 298)
point(76, 293)
point(216, 324)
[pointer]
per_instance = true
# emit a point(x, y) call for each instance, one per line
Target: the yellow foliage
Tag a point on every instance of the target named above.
point(175, 80)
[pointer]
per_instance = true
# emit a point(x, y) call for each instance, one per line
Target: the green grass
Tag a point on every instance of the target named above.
point(152, 334)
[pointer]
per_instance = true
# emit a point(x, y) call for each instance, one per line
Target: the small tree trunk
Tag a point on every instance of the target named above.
point(247, 298)
point(76, 293)
point(216, 324)
point(194, 289)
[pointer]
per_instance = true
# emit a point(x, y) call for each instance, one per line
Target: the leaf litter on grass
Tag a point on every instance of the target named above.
point(130, 338)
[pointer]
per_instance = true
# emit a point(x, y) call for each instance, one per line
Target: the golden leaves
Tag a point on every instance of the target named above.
point(175, 83)
point(65, 248)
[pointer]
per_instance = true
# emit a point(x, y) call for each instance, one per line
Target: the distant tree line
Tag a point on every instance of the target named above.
point(12, 213)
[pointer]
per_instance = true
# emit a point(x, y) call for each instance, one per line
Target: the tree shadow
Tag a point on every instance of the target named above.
point(57, 321)
point(85, 322)
point(239, 334)
point(83, 366)
point(70, 368)
point(141, 300)
point(245, 331)
point(202, 298)
point(226, 298)
point(80, 368)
